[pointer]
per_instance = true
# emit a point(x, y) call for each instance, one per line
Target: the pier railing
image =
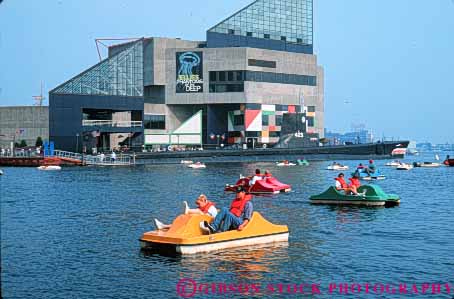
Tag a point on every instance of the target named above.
point(112, 123)
point(101, 159)
point(109, 160)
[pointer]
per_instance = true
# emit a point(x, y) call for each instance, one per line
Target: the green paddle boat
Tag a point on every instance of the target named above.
point(373, 196)
point(303, 162)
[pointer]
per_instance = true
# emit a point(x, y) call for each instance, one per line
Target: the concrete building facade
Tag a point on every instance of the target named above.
point(255, 66)
point(27, 123)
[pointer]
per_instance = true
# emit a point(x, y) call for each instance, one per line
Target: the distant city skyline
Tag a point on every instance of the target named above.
point(387, 63)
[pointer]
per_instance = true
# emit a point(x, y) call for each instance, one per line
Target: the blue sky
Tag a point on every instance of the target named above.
point(387, 63)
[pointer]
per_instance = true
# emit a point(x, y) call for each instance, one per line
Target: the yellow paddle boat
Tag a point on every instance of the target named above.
point(186, 237)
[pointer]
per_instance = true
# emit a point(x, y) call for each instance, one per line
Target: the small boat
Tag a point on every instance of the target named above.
point(404, 166)
point(186, 162)
point(426, 164)
point(303, 162)
point(1, 172)
point(285, 163)
point(49, 167)
point(269, 185)
point(394, 163)
point(372, 177)
point(337, 167)
point(373, 196)
point(197, 165)
point(186, 237)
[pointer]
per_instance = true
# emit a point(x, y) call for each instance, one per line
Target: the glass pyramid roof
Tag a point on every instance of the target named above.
point(119, 75)
point(285, 20)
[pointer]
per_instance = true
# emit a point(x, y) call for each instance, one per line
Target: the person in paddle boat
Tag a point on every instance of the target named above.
point(342, 185)
point(204, 206)
point(354, 180)
point(268, 174)
point(371, 168)
point(237, 217)
point(257, 177)
point(360, 166)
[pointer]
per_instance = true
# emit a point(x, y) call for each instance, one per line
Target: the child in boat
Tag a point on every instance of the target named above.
point(268, 174)
point(204, 206)
point(342, 185)
point(237, 217)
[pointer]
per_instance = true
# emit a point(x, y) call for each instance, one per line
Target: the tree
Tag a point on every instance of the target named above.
point(23, 143)
point(39, 141)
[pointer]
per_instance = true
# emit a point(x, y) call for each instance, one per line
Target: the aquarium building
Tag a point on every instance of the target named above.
point(236, 86)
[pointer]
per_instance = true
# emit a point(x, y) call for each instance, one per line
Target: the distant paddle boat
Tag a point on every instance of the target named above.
point(303, 162)
point(285, 163)
point(426, 164)
point(377, 175)
point(404, 166)
point(394, 163)
point(373, 196)
point(49, 167)
point(186, 162)
point(337, 167)
point(197, 165)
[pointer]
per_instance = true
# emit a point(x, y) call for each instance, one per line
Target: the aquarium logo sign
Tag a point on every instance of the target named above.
point(189, 72)
point(188, 288)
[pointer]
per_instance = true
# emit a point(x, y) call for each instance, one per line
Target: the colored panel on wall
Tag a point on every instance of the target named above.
point(272, 128)
point(291, 109)
point(264, 140)
point(271, 120)
point(192, 125)
point(230, 117)
point(268, 112)
point(270, 108)
point(265, 133)
point(253, 120)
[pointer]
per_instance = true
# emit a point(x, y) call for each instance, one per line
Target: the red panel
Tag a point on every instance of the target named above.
point(272, 128)
point(231, 140)
point(291, 109)
point(249, 116)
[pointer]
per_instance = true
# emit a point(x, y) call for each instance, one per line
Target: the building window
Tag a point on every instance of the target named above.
point(248, 33)
point(213, 76)
point(262, 63)
point(231, 31)
point(310, 108)
point(221, 76)
point(233, 81)
point(266, 35)
point(281, 78)
point(217, 87)
point(230, 76)
point(279, 120)
point(265, 120)
point(238, 120)
point(310, 121)
point(154, 122)
point(299, 40)
point(283, 38)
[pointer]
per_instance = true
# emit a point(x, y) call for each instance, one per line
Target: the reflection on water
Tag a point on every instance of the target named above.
point(82, 227)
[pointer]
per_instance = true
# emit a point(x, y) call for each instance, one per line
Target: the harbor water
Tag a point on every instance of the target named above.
point(74, 234)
